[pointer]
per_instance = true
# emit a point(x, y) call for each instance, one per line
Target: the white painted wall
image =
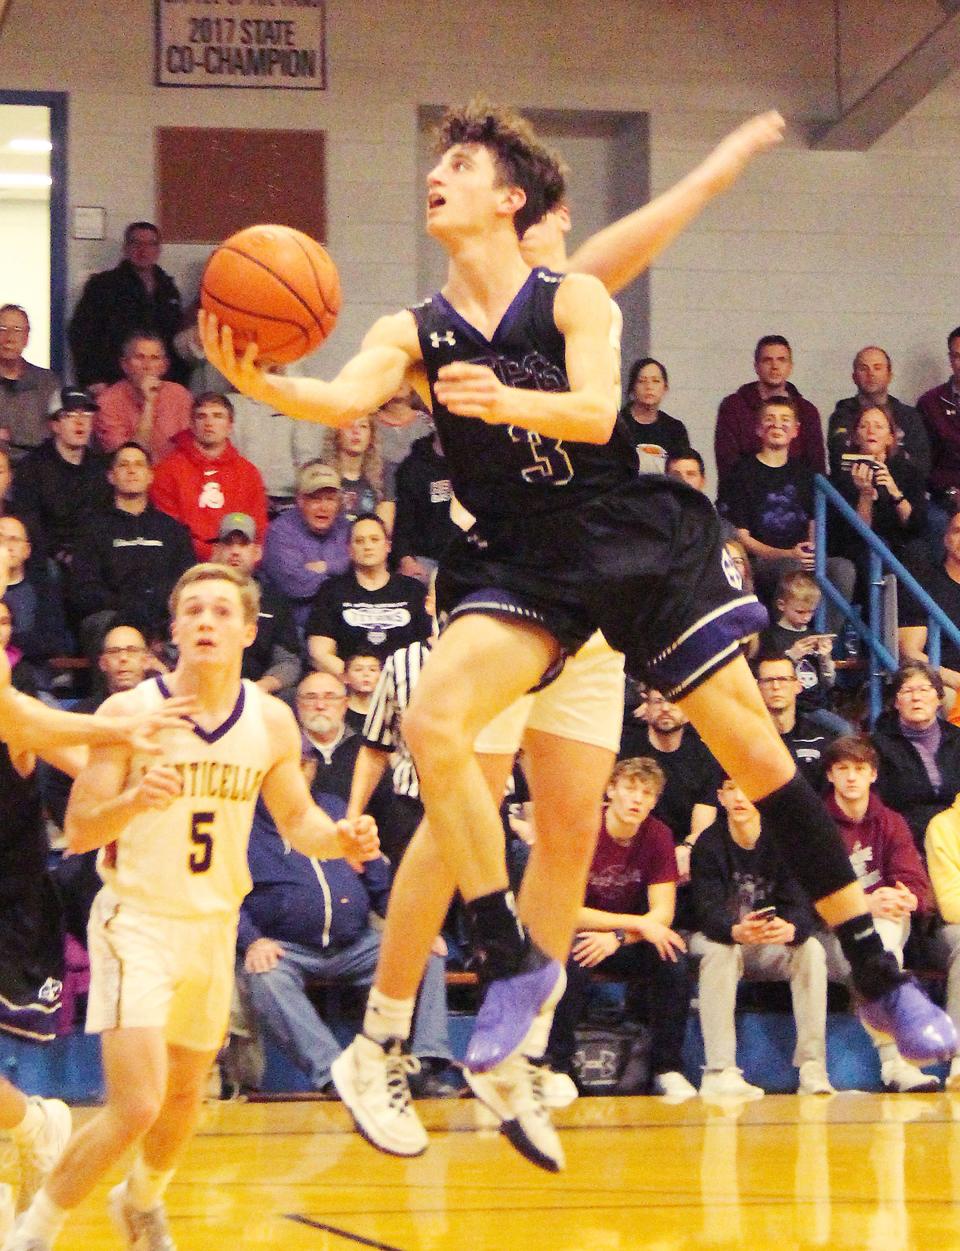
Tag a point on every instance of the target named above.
point(834, 250)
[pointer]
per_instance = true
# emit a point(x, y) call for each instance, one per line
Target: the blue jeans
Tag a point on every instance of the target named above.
point(282, 1007)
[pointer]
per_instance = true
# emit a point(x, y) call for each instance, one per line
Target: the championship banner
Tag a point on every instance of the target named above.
point(241, 43)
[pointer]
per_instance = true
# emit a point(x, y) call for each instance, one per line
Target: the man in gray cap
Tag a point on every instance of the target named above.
point(273, 658)
point(310, 543)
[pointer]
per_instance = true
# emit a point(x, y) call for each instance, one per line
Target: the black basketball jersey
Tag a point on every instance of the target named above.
point(507, 473)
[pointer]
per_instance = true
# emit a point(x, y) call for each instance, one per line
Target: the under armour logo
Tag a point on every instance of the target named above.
point(446, 337)
point(548, 277)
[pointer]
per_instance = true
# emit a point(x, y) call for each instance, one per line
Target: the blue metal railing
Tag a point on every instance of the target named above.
point(882, 561)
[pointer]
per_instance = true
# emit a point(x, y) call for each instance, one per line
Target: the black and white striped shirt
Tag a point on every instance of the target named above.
point(382, 728)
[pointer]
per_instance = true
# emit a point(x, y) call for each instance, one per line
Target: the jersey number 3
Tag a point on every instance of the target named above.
point(201, 836)
point(550, 460)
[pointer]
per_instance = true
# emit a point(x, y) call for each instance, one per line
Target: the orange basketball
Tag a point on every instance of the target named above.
point(276, 285)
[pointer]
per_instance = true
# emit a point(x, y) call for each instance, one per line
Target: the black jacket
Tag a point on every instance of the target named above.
point(113, 304)
point(423, 526)
point(727, 881)
point(843, 422)
point(56, 499)
point(902, 781)
point(129, 562)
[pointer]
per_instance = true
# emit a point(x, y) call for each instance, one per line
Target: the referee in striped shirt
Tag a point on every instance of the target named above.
point(383, 745)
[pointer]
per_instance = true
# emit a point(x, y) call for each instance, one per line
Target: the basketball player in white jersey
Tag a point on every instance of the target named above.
point(39, 1128)
point(162, 934)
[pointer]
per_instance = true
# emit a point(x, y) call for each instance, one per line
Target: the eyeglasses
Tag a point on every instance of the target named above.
point(917, 690)
point(782, 681)
point(124, 651)
point(13, 330)
point(328, 698)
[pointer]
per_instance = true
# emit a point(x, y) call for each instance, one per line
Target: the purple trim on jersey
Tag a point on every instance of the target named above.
point(706, 647)
point(36, 1020)
point(514, 306)
point(210, 736)
point(494, 603)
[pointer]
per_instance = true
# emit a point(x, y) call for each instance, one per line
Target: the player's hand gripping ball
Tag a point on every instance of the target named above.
point(274, 285)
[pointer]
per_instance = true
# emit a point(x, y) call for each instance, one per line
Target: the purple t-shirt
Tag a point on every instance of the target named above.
point(620, 873)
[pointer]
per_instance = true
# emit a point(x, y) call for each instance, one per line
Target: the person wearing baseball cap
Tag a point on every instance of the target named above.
point(273, 658)
point(310, 543)
point(61, 485)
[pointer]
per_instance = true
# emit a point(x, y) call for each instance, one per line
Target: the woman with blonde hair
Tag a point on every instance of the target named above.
point(354, 451)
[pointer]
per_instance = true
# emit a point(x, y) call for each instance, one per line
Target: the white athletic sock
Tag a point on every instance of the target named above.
point(146, 1186)
point(387, 1018)
point(42, 1219)
point(31, 1124)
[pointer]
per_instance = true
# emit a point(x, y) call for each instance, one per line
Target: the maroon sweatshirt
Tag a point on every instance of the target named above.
point(882, 850)
point(736, 434)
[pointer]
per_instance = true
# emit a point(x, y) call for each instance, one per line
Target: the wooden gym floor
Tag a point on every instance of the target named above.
point(871, 1172)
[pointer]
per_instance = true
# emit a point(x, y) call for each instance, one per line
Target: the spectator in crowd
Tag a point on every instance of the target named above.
point(687, 466)
point(919, 770)
point(755, 922)
point(307, 921)
point(943, 862)
point(736, 433)
point(887, 490)
point(269, 439)
point(142, 407)
point(328, 742)
point(943, 585)
point(401, 422)
point(656, 435)
point(661, 731)
point(128, 558)
point(797, 600)
point(206, 477)
point(769, 498)
point(423, 526)
point(940, 408)
point(308, 544)
point(806, 741)
point(889, 868)
point(23, 676)
point(136, 295)
point(60, 486)
point(6, 480)
point(27, 392)
point(872, 374)
point(273, 658)
point(368, 607)
point(354, 452)
point(624, 928)
point(39, 630)
point(360, 675)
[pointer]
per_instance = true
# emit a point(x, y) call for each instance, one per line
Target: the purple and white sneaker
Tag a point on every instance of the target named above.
point(922, 1031)
point(513, 1009)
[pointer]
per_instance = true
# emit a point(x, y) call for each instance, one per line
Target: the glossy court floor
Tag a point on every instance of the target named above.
point(871, 1172)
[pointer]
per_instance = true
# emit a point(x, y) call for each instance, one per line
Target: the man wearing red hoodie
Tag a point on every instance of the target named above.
point(738, 416)
point(206, 477)
point(885, 859)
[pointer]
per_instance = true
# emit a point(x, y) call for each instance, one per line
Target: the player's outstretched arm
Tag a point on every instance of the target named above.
point(365, 383)
point(584, 414)
point(28, 725)
point(305, 826)
point(104, 798)
point(624, 249)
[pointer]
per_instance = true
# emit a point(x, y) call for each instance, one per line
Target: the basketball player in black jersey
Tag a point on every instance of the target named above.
point(516, 603)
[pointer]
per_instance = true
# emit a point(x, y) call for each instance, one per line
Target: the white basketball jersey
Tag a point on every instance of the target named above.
point(190, 859)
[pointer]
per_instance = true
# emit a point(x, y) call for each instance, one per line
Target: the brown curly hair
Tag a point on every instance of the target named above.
point(520, 158)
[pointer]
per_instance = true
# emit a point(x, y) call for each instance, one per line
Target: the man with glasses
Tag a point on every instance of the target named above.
point(805, 741)
point(27, 392)
point(307, 920)
point(136, 295)
point(39, 628)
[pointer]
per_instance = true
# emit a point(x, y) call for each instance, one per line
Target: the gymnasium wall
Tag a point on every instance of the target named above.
point(833, 249)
